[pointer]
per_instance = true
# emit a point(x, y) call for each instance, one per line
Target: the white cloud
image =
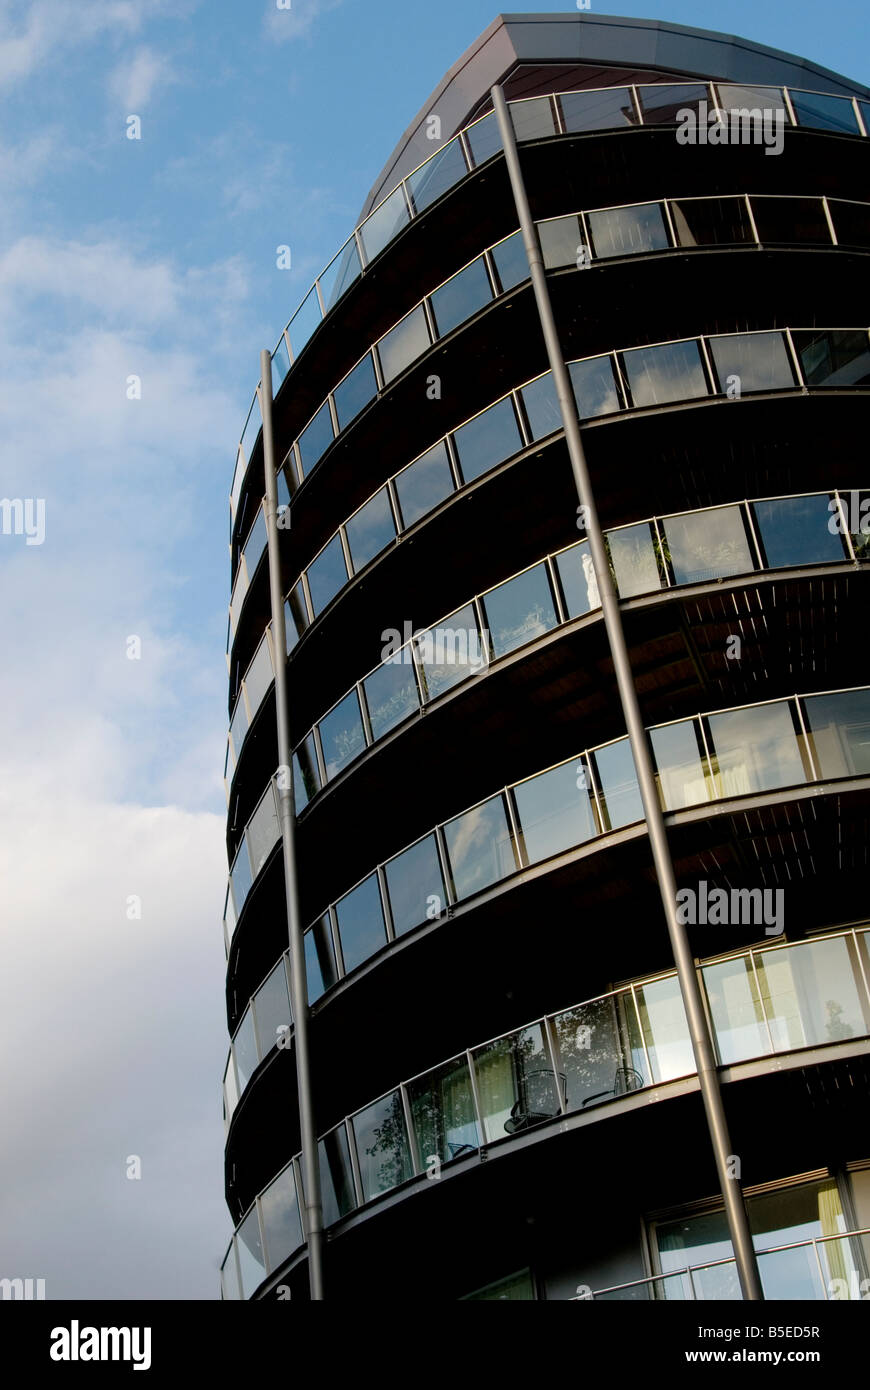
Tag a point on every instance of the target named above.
point(50, 27)
point(133, 81)
point(282, 25)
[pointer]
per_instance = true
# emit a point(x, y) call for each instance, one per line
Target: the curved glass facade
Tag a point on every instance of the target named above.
point(764, 1002)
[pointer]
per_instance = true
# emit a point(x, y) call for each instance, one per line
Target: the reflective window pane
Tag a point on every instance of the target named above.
point(822, 112)
point(340, 274)
point(840, 728)
point(282, 1225)
point(595, 390)
point(229, 1275)
point(355, 392)
point(603, 110)
point(542, 406)
point(617, 785)
point(516, 1083)
point(856, 521)
point(253, 425)
point(669, 372)
point(738, 1018)
point(755, 750)
point(707, 545)
point(791, 220)
point(752, 361)
point(510, 261)
point(259, 676)
point(810, 995)
point(532, 119)
point(796, 531)
point(838, 358)
point(415, 886)
point(595, 1052)
point(251, 1261)
point(304, 321)
point(280, 365)
point(320, 969)
point(665, 1030)
point(681, 769)
point(442, 1113)
point(295, 616)
point(272, 1009)
point(483, 138)
point(306, 774)
point(326, 575)
point(382, 1146)
point(263, 833)
point(336, 1176)
point(479, 847)
point(562, 241)
point(245, 1049)
point(255, 543)
point(439, 173)
point(487, 439)
point(241, 876)
point(391, 693)
point(384, 223)
point(661, 102)
point(370, 530)
point(711, 221)
point(451, 652)
point(851, 223)
point(239, 725)
point(404, 343)
point(626, 231)
point(424, 483)
point(633, 559)
point(519, 610)
point(461, 297)
point(555, 810)
point(315, 439)
point(737, 99)
point(341, 735)
point(577, 578)
point(361, 923)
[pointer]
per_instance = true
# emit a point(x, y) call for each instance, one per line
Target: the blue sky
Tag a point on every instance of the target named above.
point(157, 257)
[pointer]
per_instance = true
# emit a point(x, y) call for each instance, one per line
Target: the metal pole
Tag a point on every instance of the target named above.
point(287, 816)
point(702, 1045)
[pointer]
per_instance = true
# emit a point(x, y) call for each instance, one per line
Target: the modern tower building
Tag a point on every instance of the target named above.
point(502, 1074)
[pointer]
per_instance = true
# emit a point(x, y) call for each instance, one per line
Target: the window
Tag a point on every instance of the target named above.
point(665, 1030)
point(360, 917)
point(809, 994)
point(320, 968)
point(795, 531)
point(340, 274)
point(240, 875)
point(519, 1288)
point(370, 530)
point(712, 222)
point(791, 220)
point(382, 1146)
point(251, 1261)
point(295, 616)
point(304, 321)
point(258, 676)
point(460, 297)
point(391, 693)
point(851, 222)
point(263, 833)
point(483, 138)
point(617, 785)
point(438, 174)
point(255, 543)
point(355, 392)
point(239, 725)
point(577, 578)
point(404, 343)
point(602, 110)
point(681, 769)
point(661, 104)
point(245, 1049)
point(282, 1226)
point(384, 223)
point(486, 440)
point(822, 112)
point(669, 372)
point(271, 1009)
point(519, 610)
point(326, 575)
point(752, 361)
point(542, 407)
point(633, 559)
point(555, 810)
point(510, 262)
point(599, 1051)
point(415, 886)
point(739, 1027)
point(735, 98)
point(424, 483)
point(516, 1083)
point(306, 775)
point(838, 358)
point(562, 241)
point(627, 231)
point(336, 1175)
point(755, 750)
point(315, 439)
point(442, 1112)
point(341, 735)
point(479, 847)
point(707, 545)
point(595, 390)
point(451, 652)
point(533, 118)
point(839, 728)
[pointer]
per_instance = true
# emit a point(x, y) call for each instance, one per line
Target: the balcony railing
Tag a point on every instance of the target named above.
point(763, 1002)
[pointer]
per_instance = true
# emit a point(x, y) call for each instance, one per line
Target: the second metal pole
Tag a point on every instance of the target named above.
point(287, 815)
point(702, 1044)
